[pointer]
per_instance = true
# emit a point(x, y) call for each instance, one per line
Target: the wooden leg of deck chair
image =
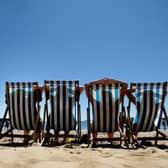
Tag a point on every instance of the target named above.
point(12, 138)
point(94, 134)
point(56, 137)
point(132, 135)
point(46, 139)
point(40, 136)
point(4, 120)
point(123, 140)
point(135, 138)
point(110, 137)
point(88, 125)
point(37, 136)
point(156, 137)
point(26, 140)
point(65, 136)
point(40, 131)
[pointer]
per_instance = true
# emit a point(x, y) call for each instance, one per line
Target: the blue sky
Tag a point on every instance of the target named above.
point(84, 40)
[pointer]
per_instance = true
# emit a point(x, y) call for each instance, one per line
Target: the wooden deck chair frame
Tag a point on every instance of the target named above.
point(132, 100)
point(122, 115)
point(53, 138)
point(36, 135)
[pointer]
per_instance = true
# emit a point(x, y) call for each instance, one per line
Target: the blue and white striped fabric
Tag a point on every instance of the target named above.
point(105, 107)
point(149, 98)
point(62, 96)
point(22, 105)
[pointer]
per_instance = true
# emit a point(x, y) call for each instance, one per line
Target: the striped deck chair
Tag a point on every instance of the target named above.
point(106, 99)
point(22, 111)
point(62, 112)
point(149, 100)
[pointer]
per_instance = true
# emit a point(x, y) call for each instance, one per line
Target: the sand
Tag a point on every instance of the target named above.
point(72, 156)
point(79, 156)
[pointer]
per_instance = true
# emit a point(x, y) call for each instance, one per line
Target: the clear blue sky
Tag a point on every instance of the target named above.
point(82, 39)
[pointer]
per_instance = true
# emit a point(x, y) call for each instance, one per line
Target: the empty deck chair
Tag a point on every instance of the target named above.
point(22, 111)
point(106, 99)
point(149, 99)
point(62, 112)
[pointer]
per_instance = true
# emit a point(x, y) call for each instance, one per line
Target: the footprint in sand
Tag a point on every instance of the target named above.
point(153, 151)
point(71, 152)
point(128, 166)
point(107, 155)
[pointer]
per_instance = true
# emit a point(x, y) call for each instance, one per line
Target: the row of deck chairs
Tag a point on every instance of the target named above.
point(106, 112)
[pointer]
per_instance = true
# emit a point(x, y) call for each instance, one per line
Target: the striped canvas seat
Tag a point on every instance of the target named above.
point(149, 102)
point(22, 105)
point(105, 107)
point(62, 98)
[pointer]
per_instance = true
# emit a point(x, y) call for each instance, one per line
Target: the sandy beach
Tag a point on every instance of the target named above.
point(36, 156)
